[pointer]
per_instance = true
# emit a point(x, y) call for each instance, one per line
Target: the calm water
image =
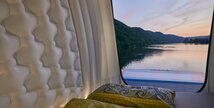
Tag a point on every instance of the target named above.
point(174, 62)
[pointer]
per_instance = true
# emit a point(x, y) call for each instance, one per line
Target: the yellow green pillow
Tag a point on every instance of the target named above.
point(138, 97)
point(87, 103)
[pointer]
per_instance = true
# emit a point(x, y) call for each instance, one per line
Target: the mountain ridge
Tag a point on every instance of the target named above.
point(139, 36)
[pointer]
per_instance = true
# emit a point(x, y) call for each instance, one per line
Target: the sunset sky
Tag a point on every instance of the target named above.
point(179, 17)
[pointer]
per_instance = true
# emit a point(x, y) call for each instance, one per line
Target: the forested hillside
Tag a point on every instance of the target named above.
point(133, 37)
point(132, 41)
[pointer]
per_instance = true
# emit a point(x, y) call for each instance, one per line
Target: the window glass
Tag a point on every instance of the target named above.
point(163, 43)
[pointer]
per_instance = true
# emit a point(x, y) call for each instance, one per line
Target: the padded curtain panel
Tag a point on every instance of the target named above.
point(93, 21)
point(39, 55)
point(54, 50)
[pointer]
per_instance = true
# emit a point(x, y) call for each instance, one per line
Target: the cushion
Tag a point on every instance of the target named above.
point(87, 103)
point(138, 97)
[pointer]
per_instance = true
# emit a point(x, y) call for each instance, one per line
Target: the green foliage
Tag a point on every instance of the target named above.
point(132, 41)
point(196, 41)
point(134, 37)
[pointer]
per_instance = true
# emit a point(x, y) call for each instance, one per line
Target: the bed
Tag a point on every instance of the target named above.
point(125, 96)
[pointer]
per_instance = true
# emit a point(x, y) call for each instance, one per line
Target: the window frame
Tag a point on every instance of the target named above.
point(208, 53)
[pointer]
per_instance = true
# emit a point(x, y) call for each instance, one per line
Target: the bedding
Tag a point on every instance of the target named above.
point(137, 97)
point(126, 96)
point(87, 103)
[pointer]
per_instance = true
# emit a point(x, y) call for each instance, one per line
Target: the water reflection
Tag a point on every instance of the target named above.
point(128, 56)
point(171, 62)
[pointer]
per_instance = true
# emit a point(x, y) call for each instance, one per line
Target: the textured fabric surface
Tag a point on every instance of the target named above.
point(97, 44)
point(49, 46)
point(39, 59)
point(87, 103)
point(139, 97)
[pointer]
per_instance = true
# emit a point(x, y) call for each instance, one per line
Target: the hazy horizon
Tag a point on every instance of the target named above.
point(168, 34)
point(184, 17)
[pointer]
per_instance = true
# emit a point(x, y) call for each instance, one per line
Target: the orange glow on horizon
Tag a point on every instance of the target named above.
point(184, 18)
point(192, 29)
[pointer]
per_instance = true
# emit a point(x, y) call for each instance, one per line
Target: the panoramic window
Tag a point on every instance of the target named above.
point(163, 43)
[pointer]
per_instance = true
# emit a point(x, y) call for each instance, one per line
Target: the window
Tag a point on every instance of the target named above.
point(163, 43)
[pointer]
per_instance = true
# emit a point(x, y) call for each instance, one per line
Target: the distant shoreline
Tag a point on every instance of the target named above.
point(163, 76)
point(177, 86)
point(162, 81)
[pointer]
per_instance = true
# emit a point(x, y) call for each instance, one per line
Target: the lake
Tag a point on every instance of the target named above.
point(184, 63)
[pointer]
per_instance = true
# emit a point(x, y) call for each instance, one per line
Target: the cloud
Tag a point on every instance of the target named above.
point(180, 4)
point(167, 16)
point(184, 20)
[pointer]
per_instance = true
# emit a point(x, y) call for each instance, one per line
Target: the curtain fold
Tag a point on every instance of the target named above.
point(96, 38)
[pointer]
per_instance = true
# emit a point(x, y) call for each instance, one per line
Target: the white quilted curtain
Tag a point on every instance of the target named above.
point(96, 37)
point(55, 50)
